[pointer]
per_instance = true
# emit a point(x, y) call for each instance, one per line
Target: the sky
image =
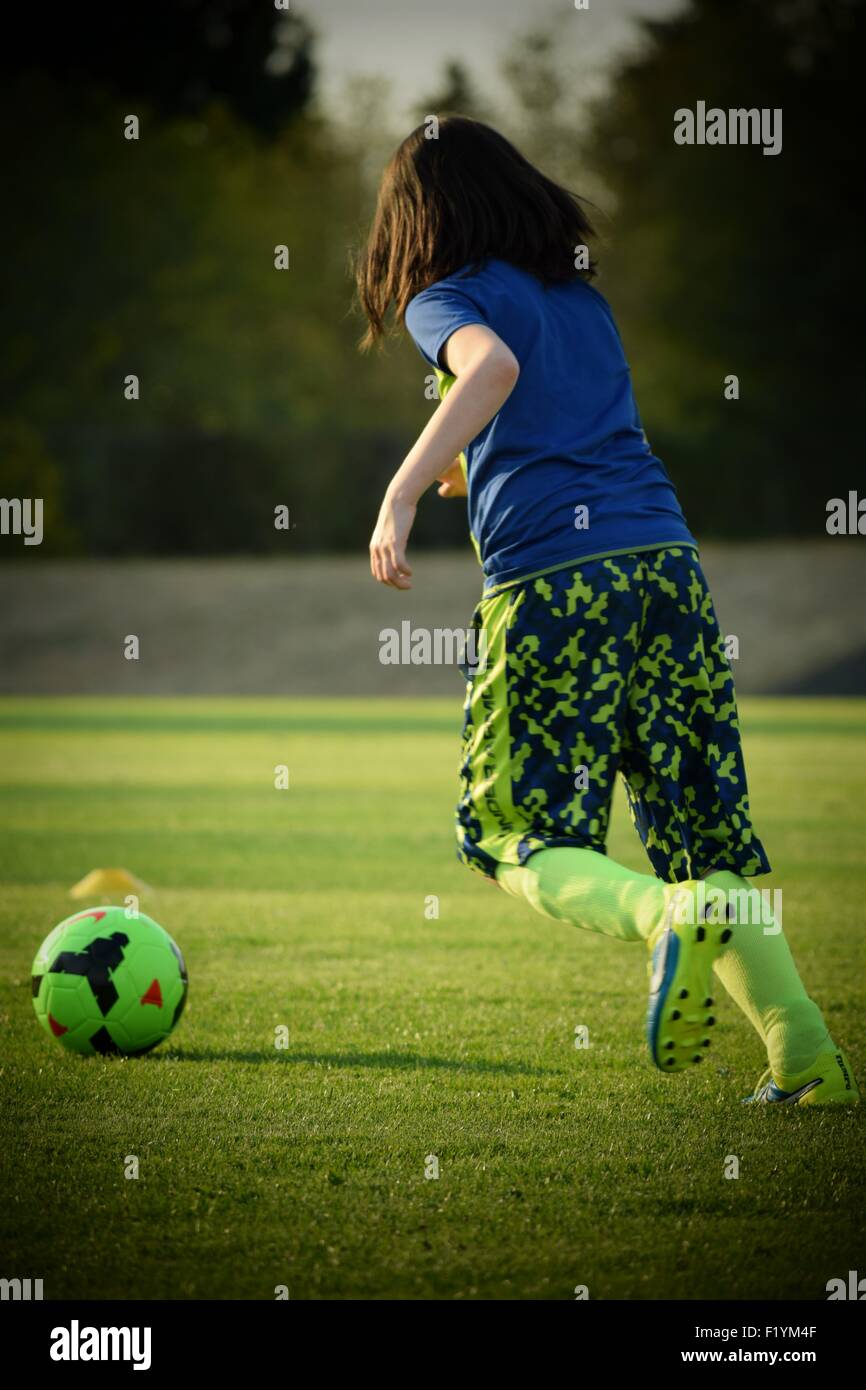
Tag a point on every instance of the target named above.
point(408, 41)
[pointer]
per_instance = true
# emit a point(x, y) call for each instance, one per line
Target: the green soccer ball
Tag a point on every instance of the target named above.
point(105, 982)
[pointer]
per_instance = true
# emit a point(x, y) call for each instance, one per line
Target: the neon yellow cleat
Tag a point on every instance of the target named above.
point(680, 998)
point(829, 1081)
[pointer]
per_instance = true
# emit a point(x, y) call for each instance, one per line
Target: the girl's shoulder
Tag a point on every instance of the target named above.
point(490, 269)
point(494, 281)
point(525, 282)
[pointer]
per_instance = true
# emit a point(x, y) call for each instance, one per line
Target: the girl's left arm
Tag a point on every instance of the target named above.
point(486, 371)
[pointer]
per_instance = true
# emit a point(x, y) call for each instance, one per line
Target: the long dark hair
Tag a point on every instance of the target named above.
point(453, 198)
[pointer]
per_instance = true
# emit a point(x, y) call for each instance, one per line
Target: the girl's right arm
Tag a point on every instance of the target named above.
point(486, 371)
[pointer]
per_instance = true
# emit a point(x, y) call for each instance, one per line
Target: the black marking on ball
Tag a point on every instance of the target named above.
point(181, 962)
point(104, 1044)
point(184, 977)
point(96, 962)
point(179, 1010)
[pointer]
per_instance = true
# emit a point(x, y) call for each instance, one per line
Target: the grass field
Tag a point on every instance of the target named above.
point(408, 1036)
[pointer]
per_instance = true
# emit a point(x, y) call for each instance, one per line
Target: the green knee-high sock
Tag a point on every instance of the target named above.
point(589, 890)
point(758, 971)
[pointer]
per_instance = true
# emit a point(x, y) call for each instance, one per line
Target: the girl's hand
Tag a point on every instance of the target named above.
point(388, 542)
point(453, 481)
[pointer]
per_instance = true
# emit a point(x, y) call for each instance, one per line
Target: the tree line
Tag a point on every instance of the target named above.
point(734, 275)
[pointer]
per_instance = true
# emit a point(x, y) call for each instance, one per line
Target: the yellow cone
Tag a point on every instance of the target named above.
point(108, 883)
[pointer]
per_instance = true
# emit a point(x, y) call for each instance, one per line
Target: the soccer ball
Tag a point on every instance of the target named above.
point(105, 982)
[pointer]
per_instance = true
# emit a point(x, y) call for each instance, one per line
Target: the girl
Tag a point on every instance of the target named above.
point(603, 653)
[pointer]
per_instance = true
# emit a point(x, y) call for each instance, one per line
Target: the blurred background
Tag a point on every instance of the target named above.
point(262, 126)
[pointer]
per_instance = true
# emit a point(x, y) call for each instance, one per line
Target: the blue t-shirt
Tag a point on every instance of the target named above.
point(563, 472)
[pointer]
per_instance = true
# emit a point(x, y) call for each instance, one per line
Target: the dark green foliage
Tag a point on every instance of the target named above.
point(175, 57)
point(726, 261)
point(156, 258)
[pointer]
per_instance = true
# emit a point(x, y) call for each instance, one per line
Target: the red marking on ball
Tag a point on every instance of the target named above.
point(153, 995)
point(57, 1028)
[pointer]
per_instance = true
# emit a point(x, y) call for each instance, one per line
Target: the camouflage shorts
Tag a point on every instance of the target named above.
point(615, 666)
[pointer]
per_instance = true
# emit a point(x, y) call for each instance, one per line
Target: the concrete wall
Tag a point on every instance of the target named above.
point(312, 626)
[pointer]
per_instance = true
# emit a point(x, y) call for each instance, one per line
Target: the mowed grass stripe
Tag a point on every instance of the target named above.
point(270, 715)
